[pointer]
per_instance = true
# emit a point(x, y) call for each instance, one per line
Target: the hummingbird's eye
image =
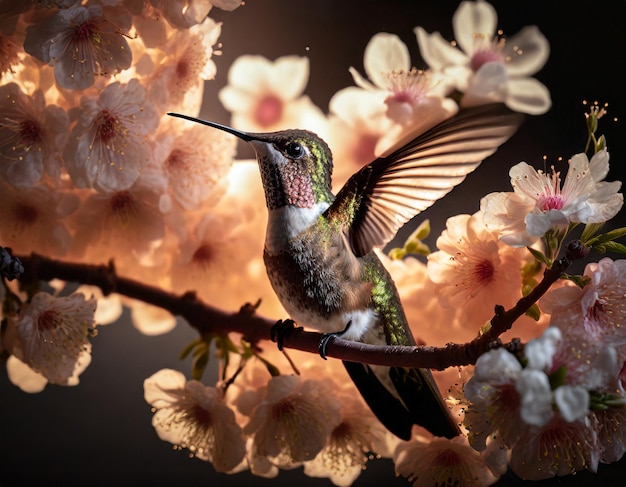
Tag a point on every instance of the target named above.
point(294, 150)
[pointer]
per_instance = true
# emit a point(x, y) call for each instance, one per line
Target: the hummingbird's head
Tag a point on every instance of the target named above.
point(296, 165)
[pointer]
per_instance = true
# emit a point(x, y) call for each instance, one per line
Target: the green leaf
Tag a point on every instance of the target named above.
point(612, 235)
point(533, 312)
point(417, 247)
point(199, 364)
point(271, 368)
point(601, 143)
point(539, 256)
point(590, 230)
point(190, 346)
point(421, 232)
point(396, 253)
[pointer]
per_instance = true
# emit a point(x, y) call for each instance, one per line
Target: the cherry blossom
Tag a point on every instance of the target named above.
point(358, 131)
point(596, 311)
point(123, 225)
point(177, 82)
point(264, 96)
point(487, 67)
point(473, 270)
point(53, 336)
point(439, 461)
point(32, 135)
point(349, 445)
point(559, 433)
point(36, 219)
point(110, 143)
point(412, 98)
point(294, 420)
point(184, 14)
point(193, 416)
point(539, 203)
point(196, 161)
point(81, 42)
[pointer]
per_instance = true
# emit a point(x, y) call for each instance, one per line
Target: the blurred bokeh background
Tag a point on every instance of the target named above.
point(100, 433)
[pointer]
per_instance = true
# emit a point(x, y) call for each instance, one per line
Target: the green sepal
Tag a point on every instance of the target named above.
point(610, 247)
point(557, 378)
point(580, 281)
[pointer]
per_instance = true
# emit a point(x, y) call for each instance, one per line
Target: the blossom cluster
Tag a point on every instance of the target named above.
point(92, 170)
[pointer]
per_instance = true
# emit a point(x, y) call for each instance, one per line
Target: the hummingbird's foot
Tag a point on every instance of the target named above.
point(281, 330)
point(329, 337)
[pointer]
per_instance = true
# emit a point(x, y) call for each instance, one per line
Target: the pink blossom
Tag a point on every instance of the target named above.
point(474, 270)
point(35, 219)
point(52, 336)
point(294, 420)
point(442, 462)
point(81, 43)
point(32, 136)
point(177, 83)
point(193, 416)
point(110, 143)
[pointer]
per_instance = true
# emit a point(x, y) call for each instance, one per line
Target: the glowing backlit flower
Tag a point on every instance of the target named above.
point(442, 462)
point(178, 81)
point(183, 14)
point(35, 219)
point(264, 96)
point(357, 131)
point(294, 420)
point(413, 98)
point(539, 203)
point(193, 416)
point(53, 336)
point(110, 143)
point(487, 67)
point(351, 443)
point(32, 136)
point(81, 43)
point(121, 225)
point(224, 249)
point(196, 161)
point(473, 270)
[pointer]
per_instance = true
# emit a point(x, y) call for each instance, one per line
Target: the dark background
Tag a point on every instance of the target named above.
point(100, 433)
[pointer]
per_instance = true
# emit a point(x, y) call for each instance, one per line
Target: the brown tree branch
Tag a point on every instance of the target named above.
point(207, 319)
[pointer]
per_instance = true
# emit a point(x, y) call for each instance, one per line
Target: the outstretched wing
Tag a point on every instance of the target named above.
point(381, 197)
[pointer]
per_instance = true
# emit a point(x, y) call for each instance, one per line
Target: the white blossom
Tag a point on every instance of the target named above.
point(489, 68)
point(539, 203)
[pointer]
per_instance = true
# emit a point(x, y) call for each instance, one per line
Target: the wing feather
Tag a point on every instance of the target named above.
point(381, 197)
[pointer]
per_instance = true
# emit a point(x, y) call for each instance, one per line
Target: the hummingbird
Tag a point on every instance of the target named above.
point(319, 247)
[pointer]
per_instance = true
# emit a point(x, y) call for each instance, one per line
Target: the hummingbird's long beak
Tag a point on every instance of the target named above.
point(225, 128)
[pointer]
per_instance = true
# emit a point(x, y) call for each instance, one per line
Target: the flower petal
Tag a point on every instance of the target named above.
point(471, 20)
point(385, 53)
point(527, 51)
